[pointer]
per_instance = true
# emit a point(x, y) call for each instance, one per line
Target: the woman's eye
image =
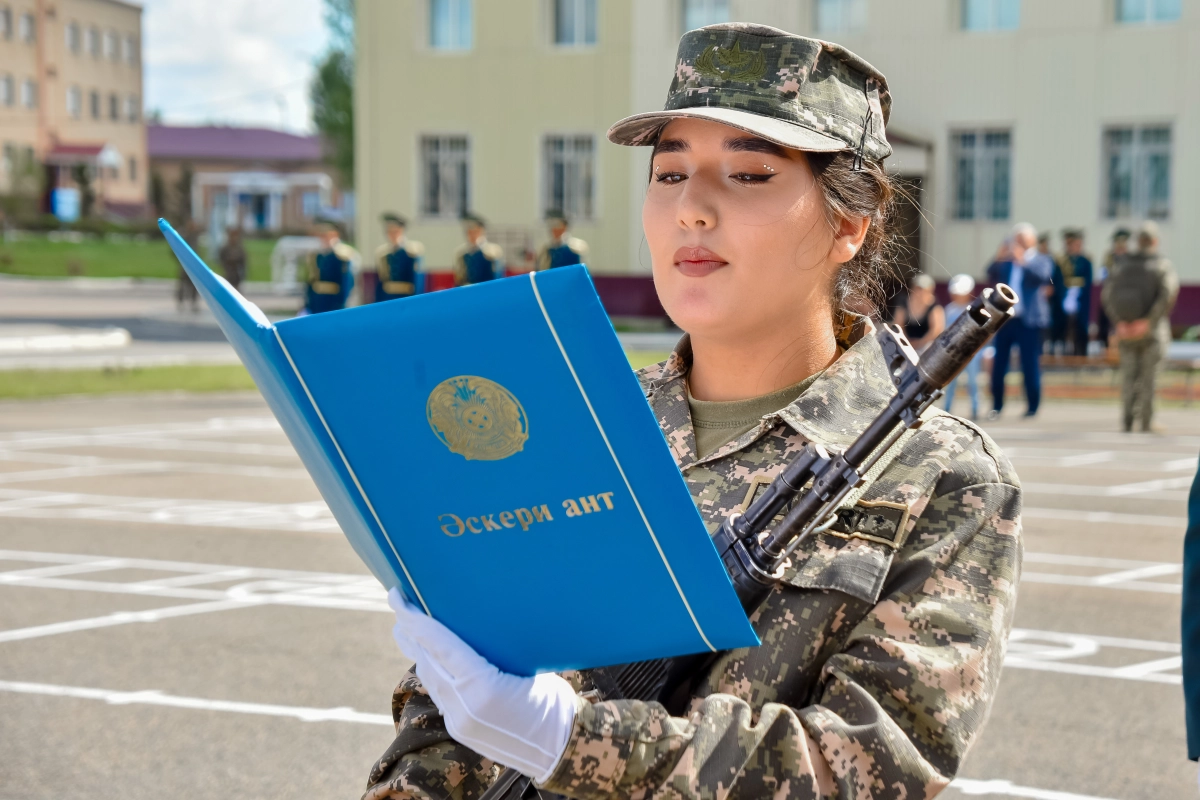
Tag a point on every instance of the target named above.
point(669, 177)
point(752, 177)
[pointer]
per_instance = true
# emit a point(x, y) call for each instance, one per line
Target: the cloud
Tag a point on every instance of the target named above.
point(232, 61)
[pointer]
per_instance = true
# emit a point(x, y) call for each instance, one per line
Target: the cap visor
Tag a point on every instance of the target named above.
point(642, 129)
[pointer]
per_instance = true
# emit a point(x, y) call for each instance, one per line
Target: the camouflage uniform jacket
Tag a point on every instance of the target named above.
point(879, 661)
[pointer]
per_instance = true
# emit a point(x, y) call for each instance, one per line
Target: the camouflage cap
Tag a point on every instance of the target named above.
point(801, 93)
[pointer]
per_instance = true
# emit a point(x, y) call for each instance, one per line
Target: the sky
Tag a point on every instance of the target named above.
point(241, 62)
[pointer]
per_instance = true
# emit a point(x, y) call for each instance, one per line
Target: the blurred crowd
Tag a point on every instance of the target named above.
point(1058, 314)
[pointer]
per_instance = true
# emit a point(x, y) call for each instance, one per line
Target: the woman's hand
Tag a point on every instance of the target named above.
point(523, 723)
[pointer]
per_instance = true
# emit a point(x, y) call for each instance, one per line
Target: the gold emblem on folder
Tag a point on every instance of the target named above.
point(477, 418)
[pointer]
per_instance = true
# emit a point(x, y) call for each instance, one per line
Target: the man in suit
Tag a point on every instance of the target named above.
point(1030, 274)
point(562, 250)
point(398, 261)
point(478, 260)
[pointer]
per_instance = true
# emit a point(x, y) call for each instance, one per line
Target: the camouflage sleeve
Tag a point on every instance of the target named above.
point(423, 761)
point(1168, 291)
point(896, 707)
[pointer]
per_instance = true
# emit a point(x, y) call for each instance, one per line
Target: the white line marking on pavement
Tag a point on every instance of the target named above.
point(153, 697)
point(92, 466)
point(977, 788)
point(968, 786)
point(1129, 575)
point(1105, 518)
point(30, 504)
point(1162, 487)
point(1051, 651)
point(121, 618)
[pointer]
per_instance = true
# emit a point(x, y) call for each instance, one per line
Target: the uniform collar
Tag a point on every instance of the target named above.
point(833, 411)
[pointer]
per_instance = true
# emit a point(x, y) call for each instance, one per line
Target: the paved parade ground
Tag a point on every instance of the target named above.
point(180, 616)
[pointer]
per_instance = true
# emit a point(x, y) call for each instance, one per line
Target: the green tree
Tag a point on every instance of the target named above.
point(183, 194)
point(332, 90)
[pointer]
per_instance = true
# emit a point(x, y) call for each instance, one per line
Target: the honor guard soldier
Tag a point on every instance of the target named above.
point(330, 270)
point(1077, 302)
point(398, 262)
point(478, 260)
point(562, 250)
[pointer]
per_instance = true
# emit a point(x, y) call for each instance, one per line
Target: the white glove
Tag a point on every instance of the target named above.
point(523, 723)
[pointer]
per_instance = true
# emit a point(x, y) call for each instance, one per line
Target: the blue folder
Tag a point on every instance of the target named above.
point(489, 450)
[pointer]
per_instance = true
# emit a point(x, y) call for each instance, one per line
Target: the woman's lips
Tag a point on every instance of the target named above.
point(696, 262)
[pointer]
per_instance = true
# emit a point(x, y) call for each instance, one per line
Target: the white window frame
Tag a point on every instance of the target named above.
point(1139, 203)
point(706, 12)
point(850, 16)
point(27, 28)
point(6, 23)
point(8, 91)
point(132, 110)
point(129, 49)
point(74, 102)
point(29, 93)
point(114, 107)
point(132, 166)
point(1149, 10)
point(457, 187)
point(461, 26)
point(91, 41)
point(74, 37)
point(983, 174)
point(579, 35)
point(95, 105)
point(995, 23)
point(583, 207)
point(112, 45)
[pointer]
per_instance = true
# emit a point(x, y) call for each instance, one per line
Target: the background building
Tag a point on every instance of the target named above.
point(71, 100)
point(1075, 112)
point(260, 179)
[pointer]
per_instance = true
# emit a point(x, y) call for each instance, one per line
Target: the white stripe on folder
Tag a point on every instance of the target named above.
point(616, 461)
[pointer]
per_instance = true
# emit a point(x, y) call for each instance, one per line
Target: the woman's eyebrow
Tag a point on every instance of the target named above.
point(671, 146)
point(753, 144)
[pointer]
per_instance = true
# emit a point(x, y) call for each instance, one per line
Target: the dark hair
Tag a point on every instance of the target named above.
point(866, 191)
point(857, 188)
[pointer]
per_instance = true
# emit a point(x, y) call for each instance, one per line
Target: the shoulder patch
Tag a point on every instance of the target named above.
point(414, 248)
point(577, 245)
point(493, 251)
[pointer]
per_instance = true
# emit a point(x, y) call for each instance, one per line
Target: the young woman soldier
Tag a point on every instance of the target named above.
point(882, 648)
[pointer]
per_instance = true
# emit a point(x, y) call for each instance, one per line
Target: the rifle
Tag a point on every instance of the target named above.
point(754, 566)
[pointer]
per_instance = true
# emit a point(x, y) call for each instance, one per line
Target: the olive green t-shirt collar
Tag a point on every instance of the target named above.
point(718, 422)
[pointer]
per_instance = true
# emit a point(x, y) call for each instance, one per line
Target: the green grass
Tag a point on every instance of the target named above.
point(100, 259)
point(640, 358)
point(30, 384)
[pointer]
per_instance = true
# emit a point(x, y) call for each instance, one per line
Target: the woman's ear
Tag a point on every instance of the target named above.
point(848, 238)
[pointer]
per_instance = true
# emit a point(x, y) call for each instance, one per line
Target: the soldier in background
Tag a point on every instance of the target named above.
point(1120, 246)
point(478, 260)
point(1056, 333)
point(1077, 301)
point(562, 250)
point(398, 261)
point(330, 270)
point(232, 256)
point(185, 290)
point(1139, 295)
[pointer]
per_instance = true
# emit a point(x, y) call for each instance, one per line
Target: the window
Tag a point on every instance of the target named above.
point(445, 176)
point(698, 13)
point(114, 108)
point(27, 30)
point(94, 104)
point(110, 46)
point(129, 50)
point(92, 40)
point(310, 204)
point(7, 92)
point(982, 169)
point(1148, 10)
point(74, 102)
point(133, 168)
point(74, 38)
point(841, 16)
point(5, 23)
point(1137, 172)
point(569, 168)
point(574, 22)
point(132, 112)
point(450, 24)
point(8, 162)
point(29, 93)
point(990, 15)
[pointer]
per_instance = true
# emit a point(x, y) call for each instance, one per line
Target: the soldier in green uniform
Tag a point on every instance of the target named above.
point(562, 250)
point(882, 648)
point(331, 270)
point(1138, 296)
point(478, 260)
point(398, 261)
